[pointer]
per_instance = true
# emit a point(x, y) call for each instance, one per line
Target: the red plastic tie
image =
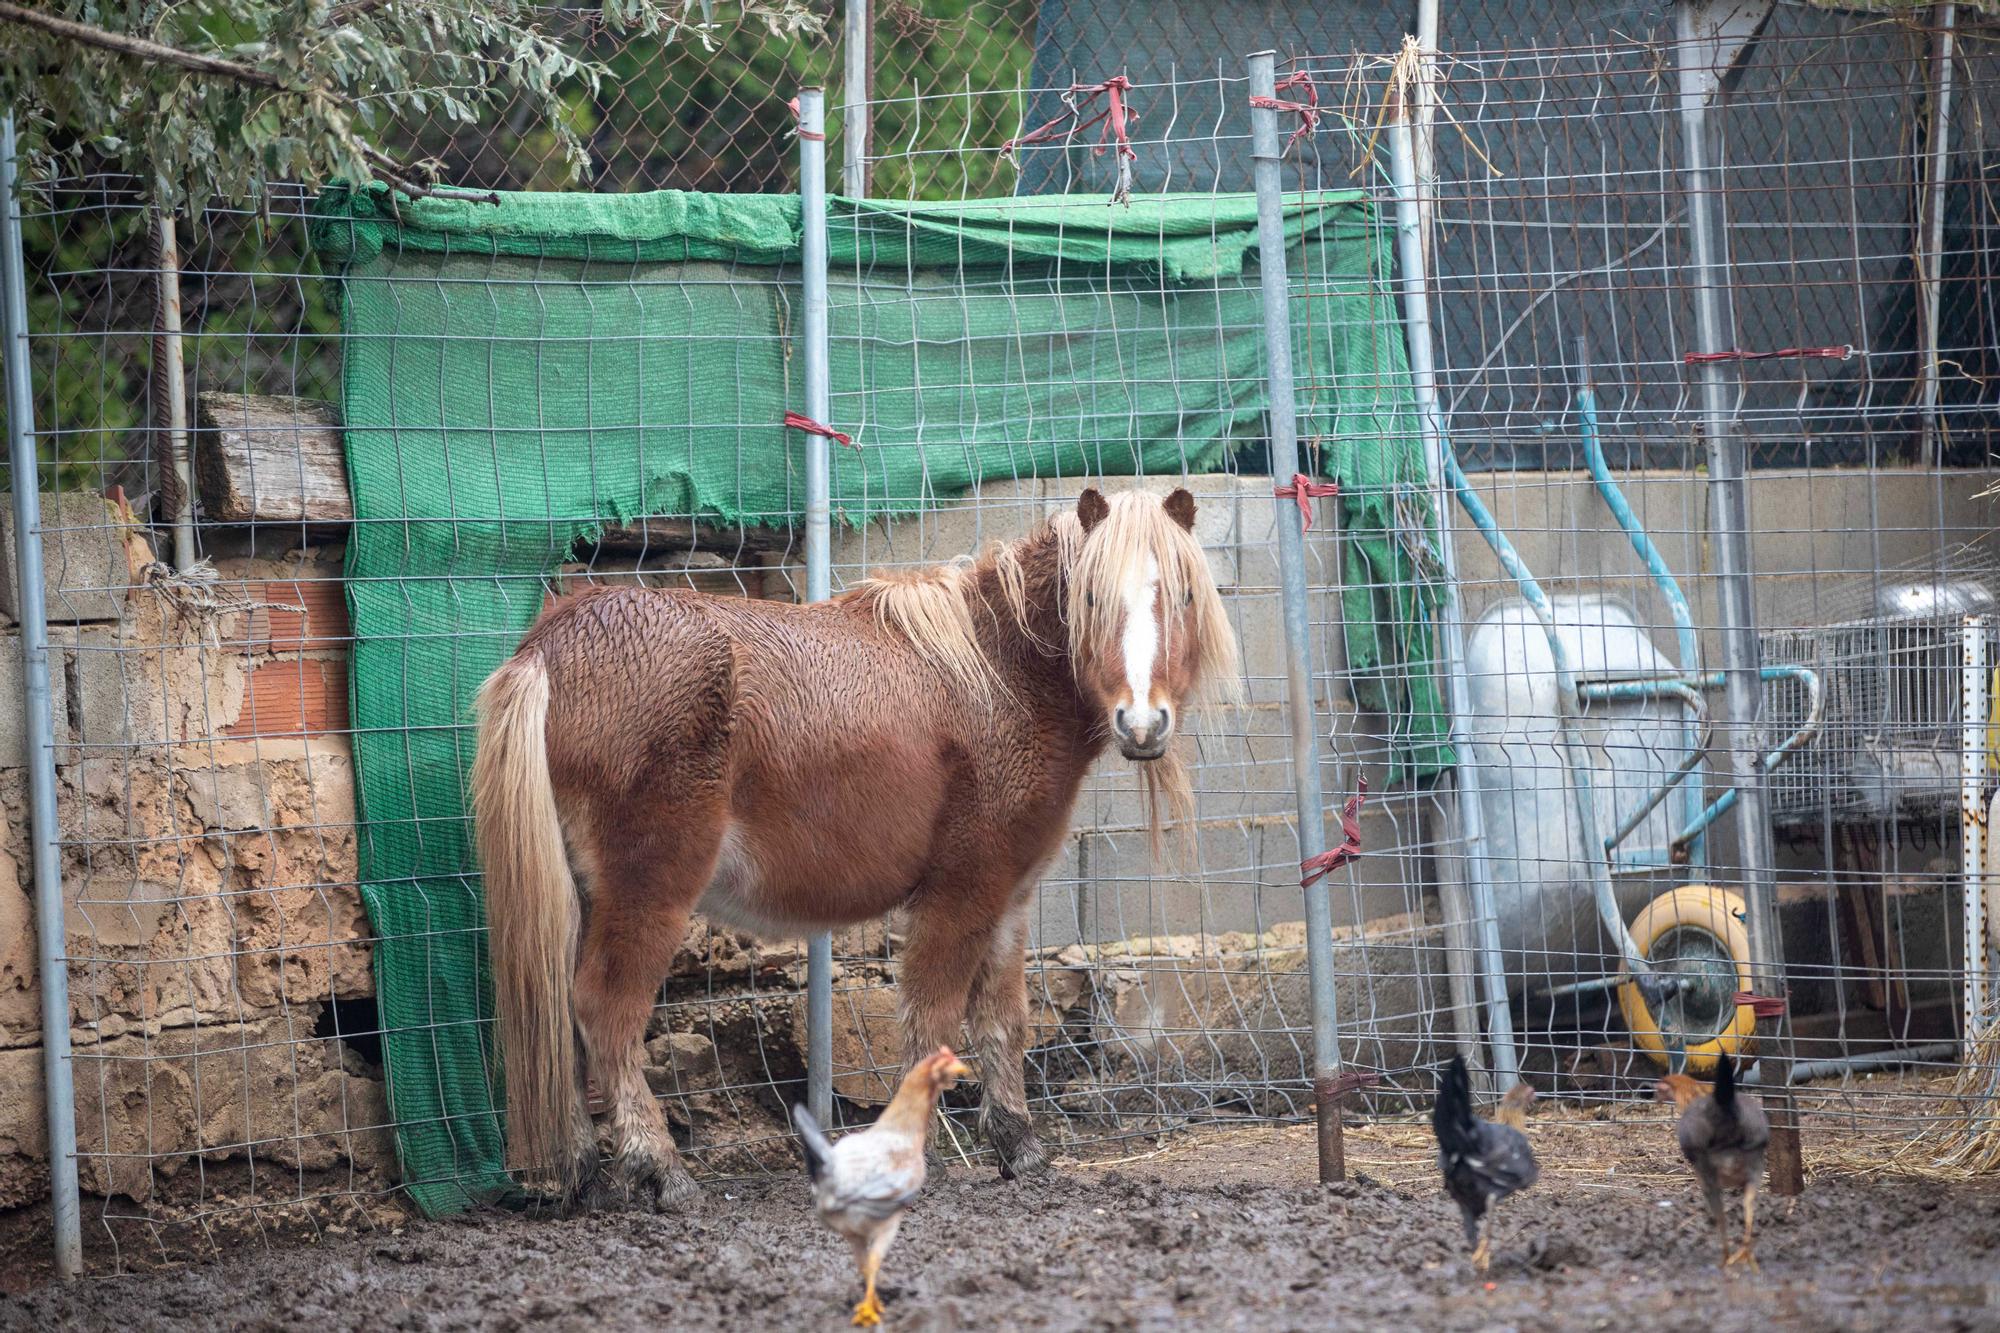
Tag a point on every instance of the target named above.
point(1841, 353)
point(1764, 1006)
point(800, 130)
point(1307, 111)
point(1339, 1087)
point(1116, 117)
point(1350, 841)
point(1305, 490)
point(795, 421)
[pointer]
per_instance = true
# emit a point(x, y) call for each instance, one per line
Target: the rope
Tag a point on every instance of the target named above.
point(798, 421)
point(1307, 111)
point(1305, 490)
point(1117, 118)
point(1841, 353)
point(799, 130)
point(1315, 867)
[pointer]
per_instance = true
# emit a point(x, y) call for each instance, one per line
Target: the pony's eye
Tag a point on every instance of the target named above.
point(1090, 599)
point(1189, 599)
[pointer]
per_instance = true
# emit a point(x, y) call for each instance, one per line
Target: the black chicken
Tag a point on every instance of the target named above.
point(1483, 1162)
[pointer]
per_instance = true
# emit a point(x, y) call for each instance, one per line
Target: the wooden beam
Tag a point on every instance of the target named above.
point(269, 459)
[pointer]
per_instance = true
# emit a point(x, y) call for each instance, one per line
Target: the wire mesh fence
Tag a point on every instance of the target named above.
point(405, 432)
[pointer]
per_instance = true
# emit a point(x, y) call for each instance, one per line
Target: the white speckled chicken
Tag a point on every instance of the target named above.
point(862, 1184)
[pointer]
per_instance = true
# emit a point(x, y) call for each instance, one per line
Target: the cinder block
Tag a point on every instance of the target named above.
point(124, 691)
point(996, 511)
point(1217, 1011)
point(84, 566)
point(13, 709)
point(1128, 895)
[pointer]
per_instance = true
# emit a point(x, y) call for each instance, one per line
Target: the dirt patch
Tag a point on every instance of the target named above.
point(1220, 1229)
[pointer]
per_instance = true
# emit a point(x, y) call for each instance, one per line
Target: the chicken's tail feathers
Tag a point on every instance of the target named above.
point(1451, 1113)
point(1725, 1084)
point(813, 1140)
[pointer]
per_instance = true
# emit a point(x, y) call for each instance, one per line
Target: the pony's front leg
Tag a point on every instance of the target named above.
point(998, 1018)
point(942, 955)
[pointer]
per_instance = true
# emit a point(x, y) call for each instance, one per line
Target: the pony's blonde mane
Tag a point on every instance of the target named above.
point(1138, 528)
point(929, 610)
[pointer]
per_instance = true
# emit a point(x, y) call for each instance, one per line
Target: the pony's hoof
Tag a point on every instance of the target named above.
point(1025, 1161)
point(659, 1187)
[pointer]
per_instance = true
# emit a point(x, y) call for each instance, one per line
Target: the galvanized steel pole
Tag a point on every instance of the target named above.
point(1944, 21)
point(819, 518)
point(856, 94)
point(60, 1094)
point(1267, 155)
point(1505, 1062)
point(1729, 529)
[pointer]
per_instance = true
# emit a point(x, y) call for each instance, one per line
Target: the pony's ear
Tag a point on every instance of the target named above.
point(1092, 508)
point(1180, 508)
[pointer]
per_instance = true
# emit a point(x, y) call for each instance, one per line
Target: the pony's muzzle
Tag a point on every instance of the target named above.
point(1142, 733)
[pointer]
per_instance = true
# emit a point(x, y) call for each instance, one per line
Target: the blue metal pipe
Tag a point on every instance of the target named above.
point(1815, 710)
point(1685, 637)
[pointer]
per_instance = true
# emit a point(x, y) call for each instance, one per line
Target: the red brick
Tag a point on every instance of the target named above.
point(324, 624)
point(294, 697)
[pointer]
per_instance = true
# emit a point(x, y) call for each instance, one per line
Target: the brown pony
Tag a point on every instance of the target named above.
point(915, 743)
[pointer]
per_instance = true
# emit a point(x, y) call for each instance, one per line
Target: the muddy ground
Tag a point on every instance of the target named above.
point(1220, 1231)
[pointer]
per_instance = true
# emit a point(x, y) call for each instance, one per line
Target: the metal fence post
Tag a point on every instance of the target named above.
point(819, 517)
point(170, 381)
point(50, 955)
point(1729, 529)
point(1410, 249)
point(1930, 257)
point(856, 95)
point(1267, 155)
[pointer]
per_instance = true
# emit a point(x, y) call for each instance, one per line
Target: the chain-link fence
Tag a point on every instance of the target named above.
point(403, 430)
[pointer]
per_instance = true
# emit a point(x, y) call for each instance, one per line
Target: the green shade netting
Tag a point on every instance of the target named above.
point(518, 375)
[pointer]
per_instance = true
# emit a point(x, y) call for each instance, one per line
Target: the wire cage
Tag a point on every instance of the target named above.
point(1892, 743)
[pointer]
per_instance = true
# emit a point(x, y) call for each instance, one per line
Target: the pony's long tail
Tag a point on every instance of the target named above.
point(531, 910)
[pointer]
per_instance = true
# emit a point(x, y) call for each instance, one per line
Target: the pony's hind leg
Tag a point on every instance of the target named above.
point(998, 1018)
point(643, 890)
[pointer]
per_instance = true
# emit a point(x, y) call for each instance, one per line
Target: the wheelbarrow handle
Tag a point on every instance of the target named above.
point(1815, 716)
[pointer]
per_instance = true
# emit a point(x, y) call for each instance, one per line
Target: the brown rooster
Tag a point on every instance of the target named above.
point(862, 1184)
point(1723, 1135)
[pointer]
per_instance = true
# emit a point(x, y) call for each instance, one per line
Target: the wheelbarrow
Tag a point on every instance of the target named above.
point(1683, 961)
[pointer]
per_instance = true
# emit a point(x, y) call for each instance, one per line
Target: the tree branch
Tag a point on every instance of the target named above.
point(142, 48)
point(343, 14)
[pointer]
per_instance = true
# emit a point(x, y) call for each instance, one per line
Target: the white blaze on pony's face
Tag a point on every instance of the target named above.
point(1141, 725)
point(1146, 624)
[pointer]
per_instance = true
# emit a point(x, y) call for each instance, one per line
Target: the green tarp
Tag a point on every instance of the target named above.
point(516, 376)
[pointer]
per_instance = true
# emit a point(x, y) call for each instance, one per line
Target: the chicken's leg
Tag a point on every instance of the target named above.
point(1711, 1198)
point(869, 1312)
point(1746, 1254)
point(1482, 1255)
